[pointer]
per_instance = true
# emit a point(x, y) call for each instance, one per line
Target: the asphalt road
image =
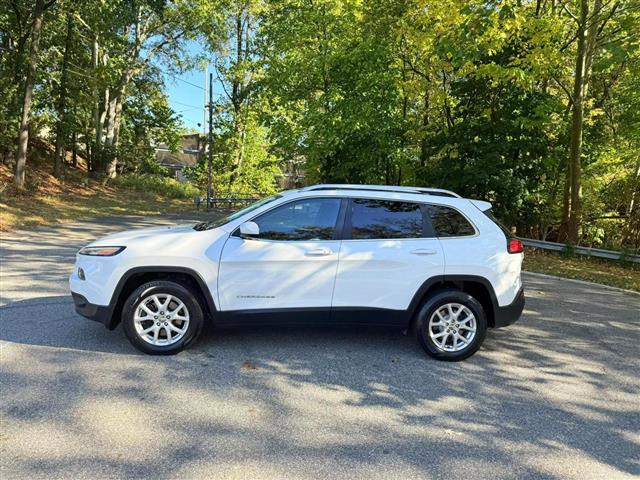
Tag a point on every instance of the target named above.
point(555, 396)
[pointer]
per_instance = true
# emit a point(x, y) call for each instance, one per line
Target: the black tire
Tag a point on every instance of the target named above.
point(431, 305)
point(162, 287)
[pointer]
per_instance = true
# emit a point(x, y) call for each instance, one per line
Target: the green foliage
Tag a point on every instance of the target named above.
point(244, 161)
point(147, 119)
point(333, 98)
point(12, 64)
point(625, 257)
point(102, 155)
point(568, 251)
point(163, 186)
point(256, 174)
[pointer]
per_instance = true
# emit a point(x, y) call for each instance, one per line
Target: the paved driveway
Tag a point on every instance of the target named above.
point(554, 396)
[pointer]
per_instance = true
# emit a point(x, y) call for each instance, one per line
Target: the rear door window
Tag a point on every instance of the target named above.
point(380, 219)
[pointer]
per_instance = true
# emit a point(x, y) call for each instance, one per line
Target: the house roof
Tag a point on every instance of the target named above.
point(188, 157)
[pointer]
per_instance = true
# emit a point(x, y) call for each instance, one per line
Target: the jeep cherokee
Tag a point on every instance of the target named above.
point(421, 259)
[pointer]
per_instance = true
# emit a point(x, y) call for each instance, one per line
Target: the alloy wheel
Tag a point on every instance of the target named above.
point(161, 319)
point(452, 327)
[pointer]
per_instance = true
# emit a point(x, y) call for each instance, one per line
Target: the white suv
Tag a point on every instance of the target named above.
point(416, 258)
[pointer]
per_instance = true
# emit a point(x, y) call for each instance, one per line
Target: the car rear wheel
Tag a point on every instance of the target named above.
point(451, 325)
point(162, 317)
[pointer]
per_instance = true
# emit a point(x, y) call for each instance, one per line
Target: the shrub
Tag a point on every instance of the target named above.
point(568, 250)
point(160, 185)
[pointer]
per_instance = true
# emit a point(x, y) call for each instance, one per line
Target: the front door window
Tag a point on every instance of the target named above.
point(305, 220)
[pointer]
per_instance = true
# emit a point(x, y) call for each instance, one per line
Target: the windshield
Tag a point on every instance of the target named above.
point(224, 220)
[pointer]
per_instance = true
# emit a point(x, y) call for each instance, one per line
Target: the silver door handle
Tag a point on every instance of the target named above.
point(318, 252)
point(423, 251)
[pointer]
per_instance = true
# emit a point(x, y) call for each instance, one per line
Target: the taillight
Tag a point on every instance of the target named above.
point(515, 246)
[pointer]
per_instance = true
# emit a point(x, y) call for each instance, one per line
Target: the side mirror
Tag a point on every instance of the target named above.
point(249, 229)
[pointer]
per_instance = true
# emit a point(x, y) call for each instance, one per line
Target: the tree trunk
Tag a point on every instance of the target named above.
point(592, 33)
point(574, 220)
point(237, 101)
point(109, 128)
point(632, 226)
point(95, 109)
point(424, 154)
point(17, 47)
point(634, 193)
point(23, 136)
point(60, 150)
point(102, 117)
point(563, 166)
point(566, 206)
point(114, 116)
point(74, 145)
point(101, 110)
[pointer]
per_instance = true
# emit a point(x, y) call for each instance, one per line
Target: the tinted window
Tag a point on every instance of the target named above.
point(312, 219)
point(385, 219)
point(448, 222)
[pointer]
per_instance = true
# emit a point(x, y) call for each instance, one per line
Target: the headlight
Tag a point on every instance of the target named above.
point(101, 251)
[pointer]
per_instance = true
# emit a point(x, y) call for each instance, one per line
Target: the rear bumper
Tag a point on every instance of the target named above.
point(97, 313)
point(510, 313)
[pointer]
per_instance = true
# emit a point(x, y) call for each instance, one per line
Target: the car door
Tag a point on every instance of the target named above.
point(290, 265)
point(387, 252)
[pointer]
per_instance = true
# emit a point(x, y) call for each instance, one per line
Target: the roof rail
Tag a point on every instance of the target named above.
point(382, 188)
point(438, 192)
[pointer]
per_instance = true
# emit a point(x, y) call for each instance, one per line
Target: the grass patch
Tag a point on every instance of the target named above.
point(163, 186)
point(47, 200)
point(614, 273)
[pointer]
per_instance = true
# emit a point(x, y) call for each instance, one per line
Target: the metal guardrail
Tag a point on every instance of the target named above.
point(594, 252)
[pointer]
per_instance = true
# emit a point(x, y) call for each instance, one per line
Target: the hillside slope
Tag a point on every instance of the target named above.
point(48, 200)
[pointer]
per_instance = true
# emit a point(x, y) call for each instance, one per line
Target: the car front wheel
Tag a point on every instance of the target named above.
point(162, 317)
point(451, 325)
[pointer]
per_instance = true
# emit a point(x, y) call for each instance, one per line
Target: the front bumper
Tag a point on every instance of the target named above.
point(510, 313)
point(97, 313)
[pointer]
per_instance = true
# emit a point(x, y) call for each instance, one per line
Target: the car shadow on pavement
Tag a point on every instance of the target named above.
point(53, 322)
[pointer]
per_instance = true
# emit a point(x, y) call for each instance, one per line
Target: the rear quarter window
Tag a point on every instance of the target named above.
point(448, 222)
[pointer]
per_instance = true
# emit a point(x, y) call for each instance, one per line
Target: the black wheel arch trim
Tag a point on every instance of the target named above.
point(499, 317)
point(442, 279)
point(116, 303)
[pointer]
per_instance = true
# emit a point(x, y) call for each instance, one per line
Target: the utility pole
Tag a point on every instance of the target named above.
point(204, 103)
point(210, 106)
